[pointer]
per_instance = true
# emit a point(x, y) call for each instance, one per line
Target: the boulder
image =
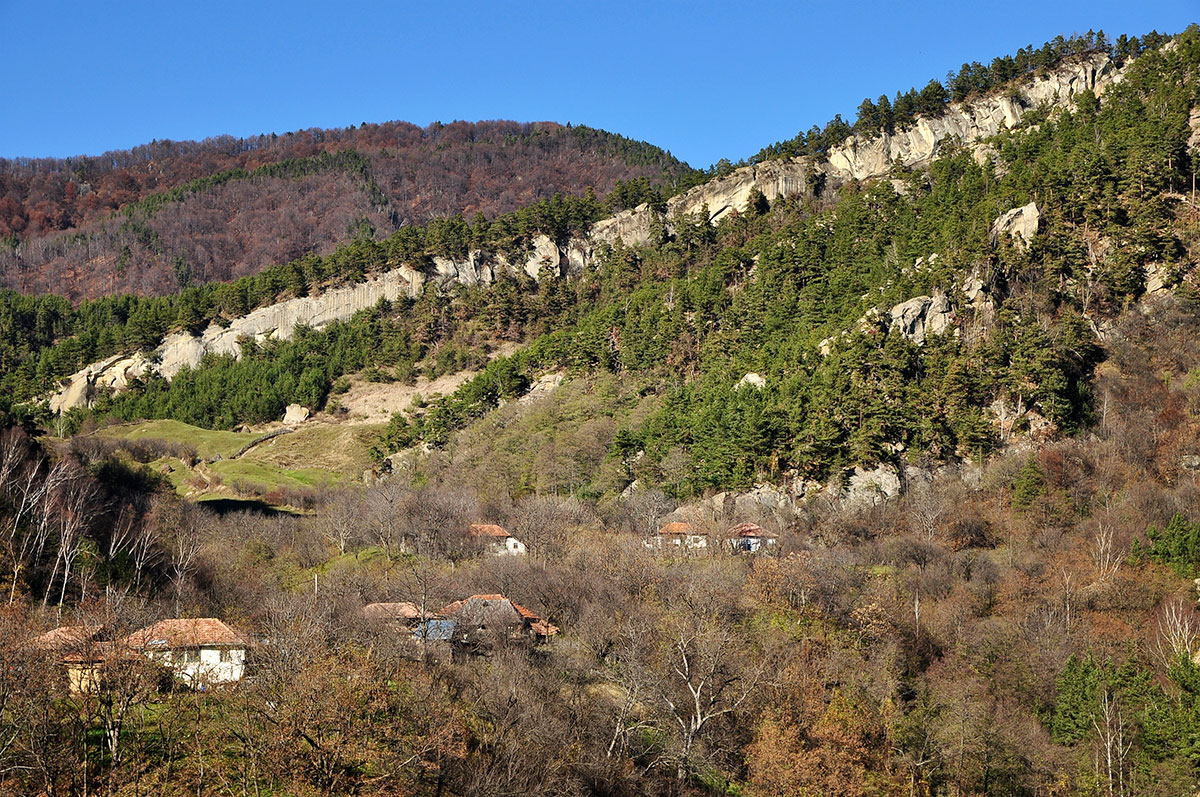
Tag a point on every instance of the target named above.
point(871, 487)
point(1020, 224)
point(763, 498)
point(922, 316)
point(544, 384)
point(545, 255)
point(752, 380)
point(296, 414)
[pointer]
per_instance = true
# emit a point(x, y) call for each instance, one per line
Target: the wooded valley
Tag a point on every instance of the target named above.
point(860, 491)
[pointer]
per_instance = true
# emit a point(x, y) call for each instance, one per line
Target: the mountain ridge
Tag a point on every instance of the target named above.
point(859, 157)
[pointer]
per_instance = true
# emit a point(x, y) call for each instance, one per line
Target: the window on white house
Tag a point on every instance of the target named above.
point(190, 656)
point(226, 655)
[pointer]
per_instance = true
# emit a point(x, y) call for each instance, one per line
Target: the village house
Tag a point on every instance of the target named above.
point(678, 535)
point(750, 538)
point(77, 649)
point(479, 624)
point(200, 652)
point(496, 540)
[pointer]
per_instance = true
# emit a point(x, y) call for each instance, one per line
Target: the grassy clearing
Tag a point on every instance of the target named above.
point(267, 475)
point(339, 449)
point(313, 456)
point(208, 443)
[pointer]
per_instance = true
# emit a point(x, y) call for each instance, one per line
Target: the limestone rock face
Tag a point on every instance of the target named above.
point(295, 413)
point(82, 387)
point(631, 226)
point(862, 158)
point(775, 178)
point(870, 487)
point(975, 289)
point(922, 316)
point(1020, 224)
point(545, 255)
point(1194, 124)
point(857, 158)
point(762, 498)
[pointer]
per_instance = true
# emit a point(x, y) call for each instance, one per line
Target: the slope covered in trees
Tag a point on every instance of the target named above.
point(1021, 621)
point(163, 216)
point(685, 318)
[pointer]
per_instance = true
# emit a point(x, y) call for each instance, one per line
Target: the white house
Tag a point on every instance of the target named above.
point(677, 534)
point(496, 540)
point(750, 538)
point(201, 652)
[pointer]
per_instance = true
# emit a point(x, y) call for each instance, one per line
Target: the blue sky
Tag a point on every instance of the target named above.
point(704, 80)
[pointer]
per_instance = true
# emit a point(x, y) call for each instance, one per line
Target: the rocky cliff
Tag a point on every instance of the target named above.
point(858, 158)
point(278, 321)
point(862, 158)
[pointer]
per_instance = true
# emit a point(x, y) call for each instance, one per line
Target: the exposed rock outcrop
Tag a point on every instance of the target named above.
point(861, 157)
point(751, 380)
point(544, 385)
point(280, 320)
point(857, 158)
point(970, 122)
point(922, 316)
point(114, 373)
point(1020, 224)
point(874, 486)
point(295, 414)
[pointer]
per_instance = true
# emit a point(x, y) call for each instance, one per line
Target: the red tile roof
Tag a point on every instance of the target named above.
point(193, 633)
point(540, 626)
point(102, 652)
point(749, 530)
point(392, 611)
point(678, 527)
point(66, 636)
point(487, 530)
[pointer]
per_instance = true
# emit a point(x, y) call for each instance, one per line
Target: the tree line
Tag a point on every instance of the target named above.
point(887, 116)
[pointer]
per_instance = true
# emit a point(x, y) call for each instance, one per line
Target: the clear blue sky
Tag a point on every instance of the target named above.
point(703, 79)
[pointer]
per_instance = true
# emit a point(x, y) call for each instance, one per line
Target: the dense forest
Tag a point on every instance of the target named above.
point(1021, 619)
point(166, 215)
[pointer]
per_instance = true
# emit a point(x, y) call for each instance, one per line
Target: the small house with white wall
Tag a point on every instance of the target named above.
point(678, 535)
point(200, 652)
point(750, 538)
point(496, 540)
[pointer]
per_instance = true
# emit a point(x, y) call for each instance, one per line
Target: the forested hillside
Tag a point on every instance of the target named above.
point(166, 215)
point(1008, 333)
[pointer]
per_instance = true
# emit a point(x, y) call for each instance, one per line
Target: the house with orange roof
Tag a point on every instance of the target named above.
point(199, 651)
point(678, 535)
point(750, 538)
point(480, 623)
point(496, 540)
point(79, 650)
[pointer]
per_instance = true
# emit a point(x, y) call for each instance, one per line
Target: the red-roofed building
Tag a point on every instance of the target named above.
point(67, 638)
point(400, 613)
point(199, 651)
point(679, 535)
point(480, 622)
point(750, 538)
point(497, 541)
